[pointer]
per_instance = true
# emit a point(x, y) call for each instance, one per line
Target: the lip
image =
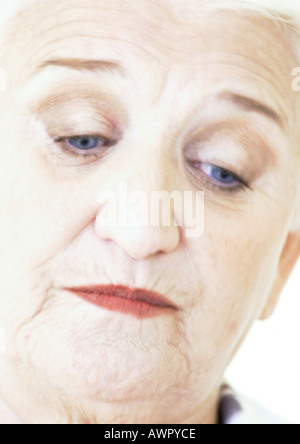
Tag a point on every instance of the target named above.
point(138, 302)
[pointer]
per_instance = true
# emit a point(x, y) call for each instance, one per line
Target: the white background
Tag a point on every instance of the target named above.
point(267, 367)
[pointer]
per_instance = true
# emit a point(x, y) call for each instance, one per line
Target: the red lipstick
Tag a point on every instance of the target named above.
point(137, 302)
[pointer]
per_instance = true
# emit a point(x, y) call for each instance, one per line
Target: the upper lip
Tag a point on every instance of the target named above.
point(122, 291)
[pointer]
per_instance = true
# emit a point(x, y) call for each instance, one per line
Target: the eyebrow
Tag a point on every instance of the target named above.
point(84, 65)
point(249, 104)
point(243, 102)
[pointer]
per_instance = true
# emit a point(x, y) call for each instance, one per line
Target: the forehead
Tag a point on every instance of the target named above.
point(175, 28)
point(153, 36)
point(160, 29)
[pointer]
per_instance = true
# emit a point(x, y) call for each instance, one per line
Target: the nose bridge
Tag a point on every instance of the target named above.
point(132, 215)
point(149, 158)
point(152, 169)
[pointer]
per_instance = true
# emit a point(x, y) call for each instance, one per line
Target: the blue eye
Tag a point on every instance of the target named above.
point(85, 143)
point(220, 175)
point(216, 177)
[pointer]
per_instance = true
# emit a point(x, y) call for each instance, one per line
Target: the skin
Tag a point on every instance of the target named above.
point(65, 360)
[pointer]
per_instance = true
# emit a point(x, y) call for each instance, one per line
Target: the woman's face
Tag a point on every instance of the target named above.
point(179, 93)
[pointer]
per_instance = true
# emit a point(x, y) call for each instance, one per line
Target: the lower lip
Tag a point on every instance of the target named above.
point(138, 309)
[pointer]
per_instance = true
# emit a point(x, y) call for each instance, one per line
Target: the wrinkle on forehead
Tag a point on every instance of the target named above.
point(153, 29)
point(37, 27)
point(162, 22)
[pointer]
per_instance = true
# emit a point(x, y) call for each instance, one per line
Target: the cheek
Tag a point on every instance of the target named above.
point(36, 222)
point(236, 267)
point(29, 204)
point(39, 215)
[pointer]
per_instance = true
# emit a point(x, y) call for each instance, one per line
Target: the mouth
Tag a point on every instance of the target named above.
point(138, 302)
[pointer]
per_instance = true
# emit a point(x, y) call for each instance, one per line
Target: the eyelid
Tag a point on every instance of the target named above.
point(74, 125)
point(80, 95)
point(85, 109)
point(235, 140)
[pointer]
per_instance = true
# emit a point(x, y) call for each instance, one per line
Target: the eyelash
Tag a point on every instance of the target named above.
point(195, 166)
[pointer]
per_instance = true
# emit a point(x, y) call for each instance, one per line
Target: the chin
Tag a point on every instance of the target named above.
point(114, 379)
point(90, 354)
point(103, 371)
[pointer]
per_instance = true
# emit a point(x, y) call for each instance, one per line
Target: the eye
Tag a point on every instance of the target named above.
point(216, 177)
point(85, 142)
point(85, 145)
point(220, 175)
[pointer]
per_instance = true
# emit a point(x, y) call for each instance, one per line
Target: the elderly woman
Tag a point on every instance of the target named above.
point(109, 322)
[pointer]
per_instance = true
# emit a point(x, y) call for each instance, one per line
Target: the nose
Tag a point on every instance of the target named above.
point(141, 242)
point(138, 214)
